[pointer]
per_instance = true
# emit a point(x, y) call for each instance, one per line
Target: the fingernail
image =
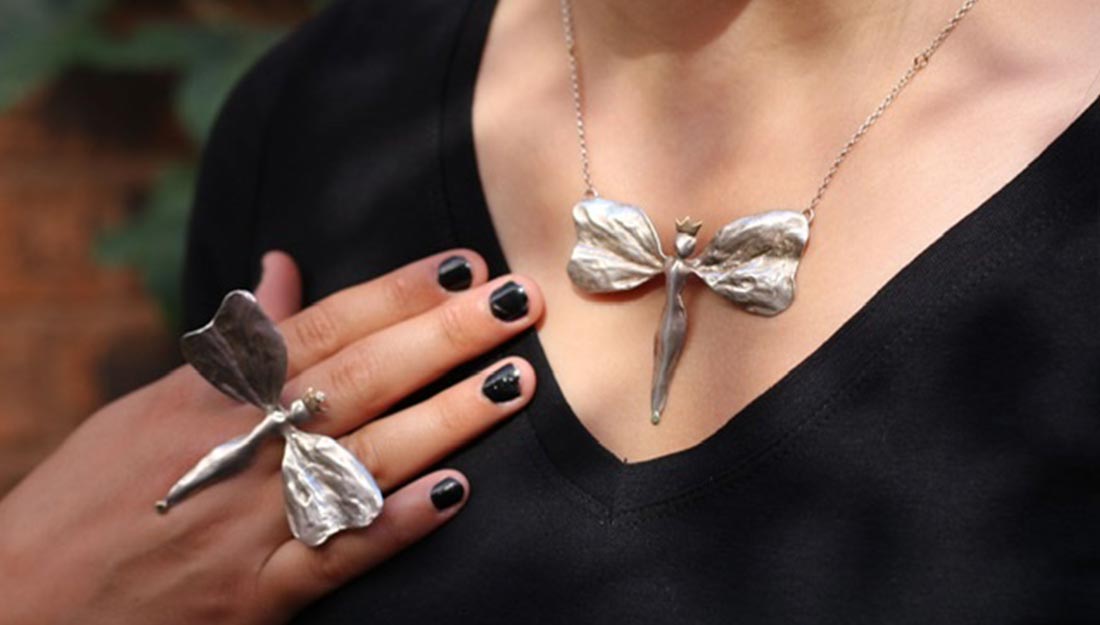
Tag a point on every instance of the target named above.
point(447, 493)
point(455, 274)
point(509, 302)
point(503, 384)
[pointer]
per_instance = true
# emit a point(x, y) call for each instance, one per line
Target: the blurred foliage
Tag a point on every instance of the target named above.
point(37, 39)
point(153, 240)
point(40, 39)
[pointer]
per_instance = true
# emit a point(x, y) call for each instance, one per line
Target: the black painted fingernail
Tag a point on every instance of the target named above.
point(509, 302)
point(447, 493)
point(455, 274)
point(503, 384)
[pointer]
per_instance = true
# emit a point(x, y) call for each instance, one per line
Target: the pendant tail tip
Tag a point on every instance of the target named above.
point(162, 506)
point(655, 417)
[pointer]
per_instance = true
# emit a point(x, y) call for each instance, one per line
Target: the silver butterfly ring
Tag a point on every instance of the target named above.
point(327, 489)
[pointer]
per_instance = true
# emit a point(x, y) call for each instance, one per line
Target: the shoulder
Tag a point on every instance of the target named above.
point(314, 140)
point(387, 41)
point(383, 58)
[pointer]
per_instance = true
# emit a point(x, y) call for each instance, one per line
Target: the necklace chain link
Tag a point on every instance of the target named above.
point(920, 61)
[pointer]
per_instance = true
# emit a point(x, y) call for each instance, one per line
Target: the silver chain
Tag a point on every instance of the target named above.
point(575, 84)
point(919, 62)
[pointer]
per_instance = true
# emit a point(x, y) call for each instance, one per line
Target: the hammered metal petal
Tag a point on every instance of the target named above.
point(326, 488)
point(752, 261)
point(617, 247)
point(240, 352)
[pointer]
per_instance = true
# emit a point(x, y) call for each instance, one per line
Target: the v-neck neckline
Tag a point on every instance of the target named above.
point(964, 254)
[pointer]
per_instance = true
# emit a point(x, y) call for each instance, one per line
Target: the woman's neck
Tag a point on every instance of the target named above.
point(779, 30)
point(723, 76)
point(651, 25)
point(746, 50)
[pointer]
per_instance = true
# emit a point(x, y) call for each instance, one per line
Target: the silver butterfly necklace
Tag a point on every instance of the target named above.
point(751, 261)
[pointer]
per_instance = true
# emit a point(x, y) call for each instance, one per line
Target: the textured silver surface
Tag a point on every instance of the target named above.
point(242, 353)
point(617, 247)
point(669, 342)
point(327, 489)
point(751, 261)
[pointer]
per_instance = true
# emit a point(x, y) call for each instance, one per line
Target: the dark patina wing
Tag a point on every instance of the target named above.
point(240, 352)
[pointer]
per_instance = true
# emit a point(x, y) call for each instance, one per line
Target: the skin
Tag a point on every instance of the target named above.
point(720, 109)
point(84, 545)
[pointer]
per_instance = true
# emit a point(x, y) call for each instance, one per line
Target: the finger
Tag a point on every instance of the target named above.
point(368, 376)
point(294, 574)
point(408, 442)
point(280, 288)
point(327, 326)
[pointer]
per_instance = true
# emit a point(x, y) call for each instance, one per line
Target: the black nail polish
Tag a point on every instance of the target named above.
point(447, 493)
point(503, 384)
point(509, 302)
point(455, 274)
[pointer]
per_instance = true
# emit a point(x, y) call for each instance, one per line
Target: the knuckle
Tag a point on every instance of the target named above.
point(331, 567)
point(449, 416)
point(455, 328)
point(353, 373)
point(316, 328)
point(363, 447)
point(400, 291)
point(397, 535)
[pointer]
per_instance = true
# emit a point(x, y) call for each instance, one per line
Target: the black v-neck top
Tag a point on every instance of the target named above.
point(936, 460)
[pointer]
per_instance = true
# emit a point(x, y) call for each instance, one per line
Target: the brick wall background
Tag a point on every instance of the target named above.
point(73, 334)
point(77, 156)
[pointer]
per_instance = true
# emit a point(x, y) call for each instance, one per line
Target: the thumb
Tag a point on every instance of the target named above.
point(280, 288)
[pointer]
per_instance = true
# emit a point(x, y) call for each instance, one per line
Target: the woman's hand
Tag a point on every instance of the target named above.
point(80, 541)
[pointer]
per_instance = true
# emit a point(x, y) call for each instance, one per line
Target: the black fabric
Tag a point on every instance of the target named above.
point(937, 460)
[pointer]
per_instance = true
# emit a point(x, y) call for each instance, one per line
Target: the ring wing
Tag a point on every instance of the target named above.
point(327, 489)
point(753, 260)
point(240, 352)
point(617, 247)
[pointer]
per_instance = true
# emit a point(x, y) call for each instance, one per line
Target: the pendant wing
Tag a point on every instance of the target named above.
point(752, 261)
point(327, 489)
point(617, 247)
point(240, 352)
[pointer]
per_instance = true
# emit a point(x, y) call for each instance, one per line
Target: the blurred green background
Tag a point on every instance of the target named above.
point(204, 46)
point(104, 108)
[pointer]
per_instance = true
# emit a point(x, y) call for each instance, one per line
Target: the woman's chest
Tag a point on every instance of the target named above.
point(922, 172)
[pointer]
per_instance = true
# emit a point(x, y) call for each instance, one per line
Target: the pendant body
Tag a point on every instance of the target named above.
point(668, 344)
point(751, 261)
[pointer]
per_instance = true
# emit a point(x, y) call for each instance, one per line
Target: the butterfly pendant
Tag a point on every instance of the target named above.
point(326, 488)
point(751, 261)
